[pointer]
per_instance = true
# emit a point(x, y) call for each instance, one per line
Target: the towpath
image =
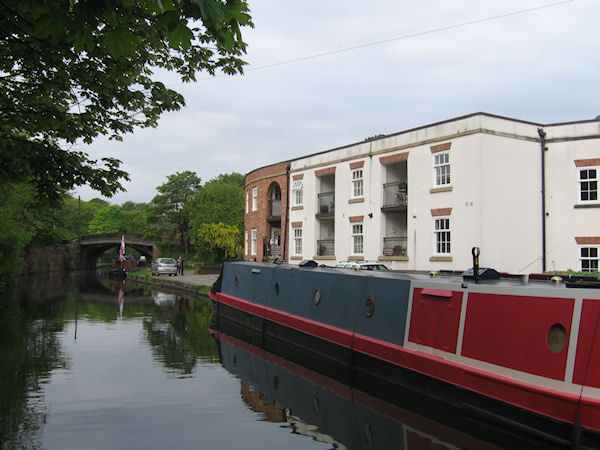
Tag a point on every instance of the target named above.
point(190, 282)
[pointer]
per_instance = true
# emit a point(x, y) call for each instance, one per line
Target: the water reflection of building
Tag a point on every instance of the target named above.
point(258, 402)
point(272, 411)
point(318, 406)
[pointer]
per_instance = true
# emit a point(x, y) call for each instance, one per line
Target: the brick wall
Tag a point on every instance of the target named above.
point(264, 179)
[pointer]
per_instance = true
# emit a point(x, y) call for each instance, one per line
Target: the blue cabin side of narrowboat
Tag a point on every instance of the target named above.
point(342, 302)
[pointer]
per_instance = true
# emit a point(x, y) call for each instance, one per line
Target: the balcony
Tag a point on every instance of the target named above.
point(394, 246)
point(273, 250)
point(395, 197)
point(274, 211)
point(326, 247)
point(326, 205)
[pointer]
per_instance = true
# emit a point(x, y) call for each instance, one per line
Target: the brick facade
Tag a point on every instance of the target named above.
point(265, 220)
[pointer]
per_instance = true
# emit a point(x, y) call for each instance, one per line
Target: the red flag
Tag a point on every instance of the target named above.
point(122, 250)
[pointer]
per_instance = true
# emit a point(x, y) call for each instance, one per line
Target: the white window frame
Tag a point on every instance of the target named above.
point(298, 193)
point(254, 198)
point(253, 242)
point(247, 201)
point(245, 242)
point(298, 241)
point(358, 243)
point(357, 183)
point(588, 186)
point(589, 258)
point(442, 237)
point(441, 169)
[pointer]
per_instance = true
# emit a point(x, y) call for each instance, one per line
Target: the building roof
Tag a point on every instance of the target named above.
point(411, 130)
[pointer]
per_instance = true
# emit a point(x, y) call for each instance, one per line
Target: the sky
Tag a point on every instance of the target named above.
point(329, 73)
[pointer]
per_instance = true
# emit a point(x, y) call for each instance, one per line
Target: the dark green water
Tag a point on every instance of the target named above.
point(85, 367)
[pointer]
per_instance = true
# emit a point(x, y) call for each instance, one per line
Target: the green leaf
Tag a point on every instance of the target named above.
point(211, 11)
point(120, 42)
point(168, 21)
point(237, 11)
point(181, 36)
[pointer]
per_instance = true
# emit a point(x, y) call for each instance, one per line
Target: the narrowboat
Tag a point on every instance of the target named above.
point(518, 351)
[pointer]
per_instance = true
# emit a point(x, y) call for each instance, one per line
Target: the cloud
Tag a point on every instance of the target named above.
point(539, 65)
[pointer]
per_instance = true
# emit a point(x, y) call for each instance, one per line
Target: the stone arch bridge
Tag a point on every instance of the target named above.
point(92, 246)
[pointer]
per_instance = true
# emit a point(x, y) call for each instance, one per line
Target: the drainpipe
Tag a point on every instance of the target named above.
point(284, 231)
point(543, 149)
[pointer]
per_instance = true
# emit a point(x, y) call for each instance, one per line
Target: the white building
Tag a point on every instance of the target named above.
point(526, 194)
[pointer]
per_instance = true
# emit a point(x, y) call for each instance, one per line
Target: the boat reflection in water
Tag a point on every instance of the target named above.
point(317, 405)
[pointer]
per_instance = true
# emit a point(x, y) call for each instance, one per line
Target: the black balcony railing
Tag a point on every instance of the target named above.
point(395, 195)
point(394, 246)
point(275, 209)
point(326, 204)
point(326, 247)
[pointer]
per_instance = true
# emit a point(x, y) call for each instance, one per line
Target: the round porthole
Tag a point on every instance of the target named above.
point(236, 280)
point(557, 338)
point(277, 288)
point(317, 297)
point(370, 307)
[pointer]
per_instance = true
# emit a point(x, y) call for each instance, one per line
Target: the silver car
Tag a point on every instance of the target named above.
point(164, 266)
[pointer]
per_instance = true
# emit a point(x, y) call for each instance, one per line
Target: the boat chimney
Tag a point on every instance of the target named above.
point(475, 252)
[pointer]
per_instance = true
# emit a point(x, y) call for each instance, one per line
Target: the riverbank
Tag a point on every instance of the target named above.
point(192, 283)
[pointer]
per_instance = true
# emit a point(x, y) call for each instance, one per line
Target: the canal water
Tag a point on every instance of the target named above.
point(86, 362)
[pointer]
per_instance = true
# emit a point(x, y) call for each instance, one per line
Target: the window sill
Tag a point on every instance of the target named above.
point(392, 258)
point(299, 258)
point(297, 208)
point(586, 205)
point(327, 258)
point(356, 200)
point(356, 258)
point(440, 259)
point(440, 189)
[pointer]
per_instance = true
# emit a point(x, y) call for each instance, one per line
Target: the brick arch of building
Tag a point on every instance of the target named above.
point(262, 220)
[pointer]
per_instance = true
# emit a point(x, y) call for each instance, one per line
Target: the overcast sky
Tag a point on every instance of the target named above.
point(323, 74)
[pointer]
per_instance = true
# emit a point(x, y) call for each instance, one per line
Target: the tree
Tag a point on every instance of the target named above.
point(219, 200)
point(76, 215)
point(115, 219)
point(170, 209)
point(71, 70)
point(15, 203)
point(237, 179)
point(218, 241)
point(107, 220)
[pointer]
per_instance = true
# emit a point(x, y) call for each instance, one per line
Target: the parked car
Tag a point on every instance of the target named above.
point(362, 265)
point(164, 266)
